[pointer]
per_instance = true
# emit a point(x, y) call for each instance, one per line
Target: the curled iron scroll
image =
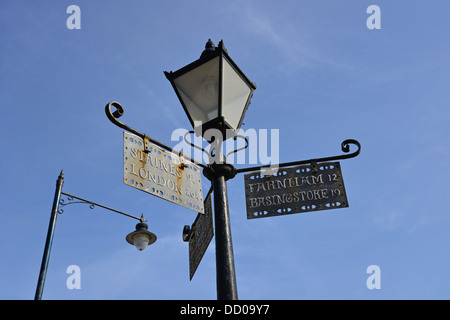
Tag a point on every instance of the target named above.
point(345, 147)
point(239, 149)
point(192, 144)
point(70, 200)
point(113, 116)
point(213, 149)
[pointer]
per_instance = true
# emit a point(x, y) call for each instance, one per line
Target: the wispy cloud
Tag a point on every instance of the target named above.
point(389, 220)
point(294, 44)
point(157, 103)
point(402, 220)
point(129, 272)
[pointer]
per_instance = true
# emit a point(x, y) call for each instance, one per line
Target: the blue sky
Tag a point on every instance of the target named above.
point(322, 77)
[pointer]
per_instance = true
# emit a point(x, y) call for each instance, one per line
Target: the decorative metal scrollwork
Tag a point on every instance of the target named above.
point(192, 144)
point(239, 149)
point(92, 205)
point(70, 199)
point(345, 147)
point(113, 116)
point(212, 148)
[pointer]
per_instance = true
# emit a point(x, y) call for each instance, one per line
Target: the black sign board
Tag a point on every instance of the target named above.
point(304, 188)
point(201, 233)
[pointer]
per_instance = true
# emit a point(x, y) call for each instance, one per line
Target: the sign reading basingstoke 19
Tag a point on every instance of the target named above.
point(297, 189)
point(149, 168)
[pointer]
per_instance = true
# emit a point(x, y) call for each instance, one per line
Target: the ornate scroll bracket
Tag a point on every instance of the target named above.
point(92, 205)
point(113, 116)
point(212, 150)
point(70, 199)
point(345, 147)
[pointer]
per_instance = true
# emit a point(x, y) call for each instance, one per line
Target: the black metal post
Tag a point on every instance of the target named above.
point(49, 240)
point(226, 275)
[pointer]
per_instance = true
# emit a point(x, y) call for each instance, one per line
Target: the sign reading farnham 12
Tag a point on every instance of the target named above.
point(164, 174)
point(297, 189)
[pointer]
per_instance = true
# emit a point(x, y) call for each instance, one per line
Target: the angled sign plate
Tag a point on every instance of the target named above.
point(164, 174)
point(202, 232)
point(296, 189)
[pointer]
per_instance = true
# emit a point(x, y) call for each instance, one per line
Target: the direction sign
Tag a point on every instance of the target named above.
point(202, 231)
point(164, 174)
point(297, 189)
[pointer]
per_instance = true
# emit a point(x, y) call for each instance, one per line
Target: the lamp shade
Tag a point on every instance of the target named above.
point(213, 91)
point(141, 238)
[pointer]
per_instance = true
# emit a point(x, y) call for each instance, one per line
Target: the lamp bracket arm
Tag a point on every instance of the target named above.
point(113, 116)
point(345, 147)
point(92, 205)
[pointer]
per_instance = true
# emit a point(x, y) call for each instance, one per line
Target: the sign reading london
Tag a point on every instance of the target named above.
point(164, 174)
point(297, 189)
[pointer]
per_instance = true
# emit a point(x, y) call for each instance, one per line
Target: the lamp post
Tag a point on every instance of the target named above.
point(49, 239)
point(225, 269)
point(215, 95)
point(140, 238)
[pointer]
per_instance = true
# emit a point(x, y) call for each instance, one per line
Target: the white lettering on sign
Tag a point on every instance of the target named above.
point(297, 189)
point(161, 173)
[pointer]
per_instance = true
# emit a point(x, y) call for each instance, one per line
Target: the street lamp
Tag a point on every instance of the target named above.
point(213, 91)
point(141, 238)
point(215, 94)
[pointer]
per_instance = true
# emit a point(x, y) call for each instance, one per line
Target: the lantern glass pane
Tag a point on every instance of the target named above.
point(235, 95)
point(199, 90)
